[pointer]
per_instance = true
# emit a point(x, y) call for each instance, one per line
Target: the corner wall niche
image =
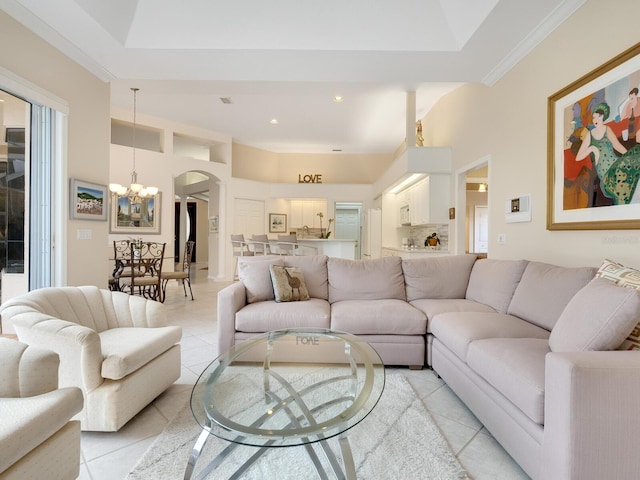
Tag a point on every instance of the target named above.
point(147, 138)
point(198, 148)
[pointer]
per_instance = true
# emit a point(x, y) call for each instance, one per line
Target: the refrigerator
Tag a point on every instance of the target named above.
point(372, 234)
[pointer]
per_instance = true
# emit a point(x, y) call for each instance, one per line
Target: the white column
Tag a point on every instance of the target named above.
point(411, 119)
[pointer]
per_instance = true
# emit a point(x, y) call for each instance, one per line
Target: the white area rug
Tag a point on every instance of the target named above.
point(397, 440)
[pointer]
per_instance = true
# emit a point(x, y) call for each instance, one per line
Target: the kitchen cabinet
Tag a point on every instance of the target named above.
point(429, 200)
point(305, 212)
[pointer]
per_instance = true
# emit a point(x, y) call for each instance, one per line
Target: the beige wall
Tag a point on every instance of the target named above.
point(32, 59)
point(508, 123)
point(264, 166)
point(505, 122)
point(254, 164)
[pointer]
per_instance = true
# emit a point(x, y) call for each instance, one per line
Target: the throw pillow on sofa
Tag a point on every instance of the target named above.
point(625, 277)
point(598, 317)
point(288, 284)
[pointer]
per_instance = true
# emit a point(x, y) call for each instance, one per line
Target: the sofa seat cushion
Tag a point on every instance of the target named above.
point(125, 350)
point(266, 316)
point(433, 307)
point(377, 317)
point(458, 329)
point(514, 367)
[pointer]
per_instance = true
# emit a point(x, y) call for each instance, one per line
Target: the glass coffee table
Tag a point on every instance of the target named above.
point(286, 388)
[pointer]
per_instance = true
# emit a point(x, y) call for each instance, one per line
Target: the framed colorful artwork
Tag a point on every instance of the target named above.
point(87, 201)
point(135, 215)
point(593, 164)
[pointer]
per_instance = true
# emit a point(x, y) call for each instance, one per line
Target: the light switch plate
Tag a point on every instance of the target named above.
point(84, 234)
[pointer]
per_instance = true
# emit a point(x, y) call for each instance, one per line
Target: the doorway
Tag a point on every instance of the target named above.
point(348, 224)
point(471, 190)
point(192, 211)
point(481, 229)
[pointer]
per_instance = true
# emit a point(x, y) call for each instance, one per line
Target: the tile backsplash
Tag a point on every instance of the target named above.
point(418, 234)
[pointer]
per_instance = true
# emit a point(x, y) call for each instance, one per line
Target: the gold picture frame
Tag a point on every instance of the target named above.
point(139, 217)
point(582, 193)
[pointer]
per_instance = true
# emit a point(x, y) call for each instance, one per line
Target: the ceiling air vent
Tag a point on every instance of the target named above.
point(225, 100)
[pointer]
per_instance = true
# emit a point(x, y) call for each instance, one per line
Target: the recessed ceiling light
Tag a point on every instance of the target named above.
point(274, 121)
point(338, 99)
point(336, 150)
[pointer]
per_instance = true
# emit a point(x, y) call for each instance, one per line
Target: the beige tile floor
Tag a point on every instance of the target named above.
point(109, 456)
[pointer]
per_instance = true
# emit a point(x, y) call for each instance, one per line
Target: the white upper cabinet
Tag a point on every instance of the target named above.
point(429, 200)
point(305, 212)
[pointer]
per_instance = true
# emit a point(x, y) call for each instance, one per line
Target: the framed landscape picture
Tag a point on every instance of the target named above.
point(277, 223)
point(138, 216)
point(593, 164)
point(87, 201)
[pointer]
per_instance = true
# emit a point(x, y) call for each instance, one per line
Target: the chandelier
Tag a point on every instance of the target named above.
point(135, 191)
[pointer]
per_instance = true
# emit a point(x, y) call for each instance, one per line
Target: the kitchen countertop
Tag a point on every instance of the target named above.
point(419, 250)
point(312, 239)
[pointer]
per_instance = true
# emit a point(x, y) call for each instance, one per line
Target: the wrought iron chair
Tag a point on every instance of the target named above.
point(184, 275)
point(122, 261)
point(145, 269)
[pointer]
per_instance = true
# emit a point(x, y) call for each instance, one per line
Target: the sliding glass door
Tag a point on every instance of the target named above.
point(27, 135)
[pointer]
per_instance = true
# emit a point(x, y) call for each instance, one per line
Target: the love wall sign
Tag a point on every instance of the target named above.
point(310, 178)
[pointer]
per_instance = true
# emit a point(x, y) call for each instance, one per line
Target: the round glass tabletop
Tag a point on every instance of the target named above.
point(289, 387)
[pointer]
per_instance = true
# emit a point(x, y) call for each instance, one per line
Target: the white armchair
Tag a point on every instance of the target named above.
point(37, 438)
point(115, 347)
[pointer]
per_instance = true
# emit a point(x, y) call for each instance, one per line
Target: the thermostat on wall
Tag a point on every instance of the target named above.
point(518, 209)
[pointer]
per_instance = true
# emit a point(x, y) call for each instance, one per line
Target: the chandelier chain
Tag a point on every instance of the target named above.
point(135, 109)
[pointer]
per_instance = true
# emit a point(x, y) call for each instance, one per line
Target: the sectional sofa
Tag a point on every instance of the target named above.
point(529, 347)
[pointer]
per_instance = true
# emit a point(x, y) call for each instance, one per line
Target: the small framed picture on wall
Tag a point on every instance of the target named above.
point(277, 223)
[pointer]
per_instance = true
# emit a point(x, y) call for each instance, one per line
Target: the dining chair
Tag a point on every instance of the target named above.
point(145, 270)
point(240, 249)
point(260, 244)
point(184, 275)
point(121, 264)
point(287, 244)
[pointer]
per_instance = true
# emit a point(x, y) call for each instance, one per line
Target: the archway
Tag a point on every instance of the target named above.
point(202, 190)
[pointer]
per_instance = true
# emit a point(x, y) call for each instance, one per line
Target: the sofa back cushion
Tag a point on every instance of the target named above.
point(544, 291)
point(493, 282)
point(598, 317)
point(254, 273)
point(365, 279)
point(314, 270)
point(437, 277)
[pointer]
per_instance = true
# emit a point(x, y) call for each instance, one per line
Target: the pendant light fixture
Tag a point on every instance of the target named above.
point(135, 191)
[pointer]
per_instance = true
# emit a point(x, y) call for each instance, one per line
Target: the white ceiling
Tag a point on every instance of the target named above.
point(287, 59)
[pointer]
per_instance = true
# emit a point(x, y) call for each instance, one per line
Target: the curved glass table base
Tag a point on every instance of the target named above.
point(292, 387)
